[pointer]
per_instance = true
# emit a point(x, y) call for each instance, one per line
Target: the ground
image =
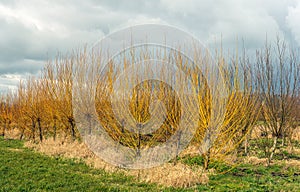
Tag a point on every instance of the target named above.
point(26, 169)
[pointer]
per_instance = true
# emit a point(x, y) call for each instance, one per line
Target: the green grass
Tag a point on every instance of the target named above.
point(247, 177)
point(257, 148)
point(256, 178)
point(22, 169)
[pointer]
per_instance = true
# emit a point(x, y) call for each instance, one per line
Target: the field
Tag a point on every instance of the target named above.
point(237, 130)
point(25, 169)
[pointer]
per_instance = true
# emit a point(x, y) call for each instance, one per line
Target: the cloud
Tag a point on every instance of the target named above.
point(209, 20)
point(33, 31)
point(293, 19)
point(10, 82)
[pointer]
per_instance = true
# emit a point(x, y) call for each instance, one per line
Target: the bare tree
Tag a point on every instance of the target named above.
point(278, 78)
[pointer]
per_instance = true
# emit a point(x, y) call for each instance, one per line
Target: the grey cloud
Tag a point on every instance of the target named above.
point(33, 31)
point(293, 19)
point(10, 82)
point(21, 67)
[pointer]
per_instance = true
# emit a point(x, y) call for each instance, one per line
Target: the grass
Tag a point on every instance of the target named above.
point(22, 169)
point(247, 177)
point(257, 148)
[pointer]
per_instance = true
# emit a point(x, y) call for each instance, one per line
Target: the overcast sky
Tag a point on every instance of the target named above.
point(32, 31)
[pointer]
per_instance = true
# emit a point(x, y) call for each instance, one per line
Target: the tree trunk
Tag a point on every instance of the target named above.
point(272, 150)
point(178, 146)
point(72, 124)
point(139, 126)
point(283, 140)
point(40, 129)
point(33, 130)
point(3, 130)
point(246, 146)
point(54, 130)
point(22, 134)
point(89, 117)
point(206, 159)
point(73, 132)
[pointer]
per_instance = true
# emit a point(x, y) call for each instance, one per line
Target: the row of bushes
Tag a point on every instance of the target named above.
point(262, 93)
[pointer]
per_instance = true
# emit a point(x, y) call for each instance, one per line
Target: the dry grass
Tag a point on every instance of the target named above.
point(263, 161)
point(168, 174)
point(59, 148)
point(291, 163)
point(12, 134)
point(179, 175)
point(256, 161)
point(296, 134)
point(191, 150)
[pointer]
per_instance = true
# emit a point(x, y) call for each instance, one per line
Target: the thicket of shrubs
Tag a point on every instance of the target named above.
point(263, 93)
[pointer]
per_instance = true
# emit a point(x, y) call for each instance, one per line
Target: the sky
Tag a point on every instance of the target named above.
point(33, 31)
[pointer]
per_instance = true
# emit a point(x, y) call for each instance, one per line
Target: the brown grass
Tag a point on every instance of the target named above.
point(12, 134)
point(168, 174)
point(256, 161)
point(179, 175)
point(291, 163)
point(263, 161)
point(296, 134)
point(61, 148)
